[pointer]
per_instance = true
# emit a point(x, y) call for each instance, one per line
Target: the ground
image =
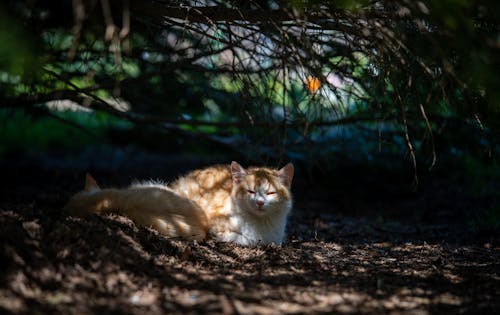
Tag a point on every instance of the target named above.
point(330, 262)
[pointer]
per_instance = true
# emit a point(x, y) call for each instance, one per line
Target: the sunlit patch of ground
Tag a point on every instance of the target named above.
point(107, 264)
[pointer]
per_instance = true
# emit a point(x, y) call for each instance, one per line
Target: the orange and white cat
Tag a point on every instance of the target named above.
point(229, 203)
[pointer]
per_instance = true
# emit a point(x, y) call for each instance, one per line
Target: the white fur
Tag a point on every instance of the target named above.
point(150, 183)
point(251, 228)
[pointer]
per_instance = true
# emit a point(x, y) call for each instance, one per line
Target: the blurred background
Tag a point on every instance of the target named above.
point(388, 109)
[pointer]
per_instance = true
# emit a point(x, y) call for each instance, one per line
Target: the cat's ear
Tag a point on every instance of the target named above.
point(90, 183)
point(237, 172)
point(286, 174)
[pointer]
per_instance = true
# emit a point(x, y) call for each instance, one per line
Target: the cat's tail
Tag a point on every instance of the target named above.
point(152, 206)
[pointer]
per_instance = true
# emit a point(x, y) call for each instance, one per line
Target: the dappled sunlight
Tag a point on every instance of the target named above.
point(340, 265)
point(69, 105)
point(144, 271)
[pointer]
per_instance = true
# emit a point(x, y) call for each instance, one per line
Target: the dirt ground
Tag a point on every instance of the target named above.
point(330, 263)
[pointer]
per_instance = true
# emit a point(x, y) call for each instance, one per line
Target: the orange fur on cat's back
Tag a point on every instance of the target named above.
point(210, 188)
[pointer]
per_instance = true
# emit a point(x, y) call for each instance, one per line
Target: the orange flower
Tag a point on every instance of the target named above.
point(312, 84)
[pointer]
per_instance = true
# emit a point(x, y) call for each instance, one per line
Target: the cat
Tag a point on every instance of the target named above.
point(225, 202)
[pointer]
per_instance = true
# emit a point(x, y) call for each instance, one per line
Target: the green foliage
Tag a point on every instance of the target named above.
point(17, 58)
point(25, 132)
point(397, 78)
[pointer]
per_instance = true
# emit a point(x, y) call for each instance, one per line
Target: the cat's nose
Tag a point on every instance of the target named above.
point(260, 203)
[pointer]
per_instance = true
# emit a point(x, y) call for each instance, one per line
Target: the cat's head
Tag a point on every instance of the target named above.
point(262, 191)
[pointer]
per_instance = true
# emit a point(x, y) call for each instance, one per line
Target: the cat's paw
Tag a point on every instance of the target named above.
point(224, 236)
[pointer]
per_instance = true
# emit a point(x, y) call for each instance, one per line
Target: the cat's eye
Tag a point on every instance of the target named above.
point(250, 191)
point(271, 193)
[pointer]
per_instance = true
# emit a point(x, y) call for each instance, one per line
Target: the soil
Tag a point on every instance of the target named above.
point(330, 262)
